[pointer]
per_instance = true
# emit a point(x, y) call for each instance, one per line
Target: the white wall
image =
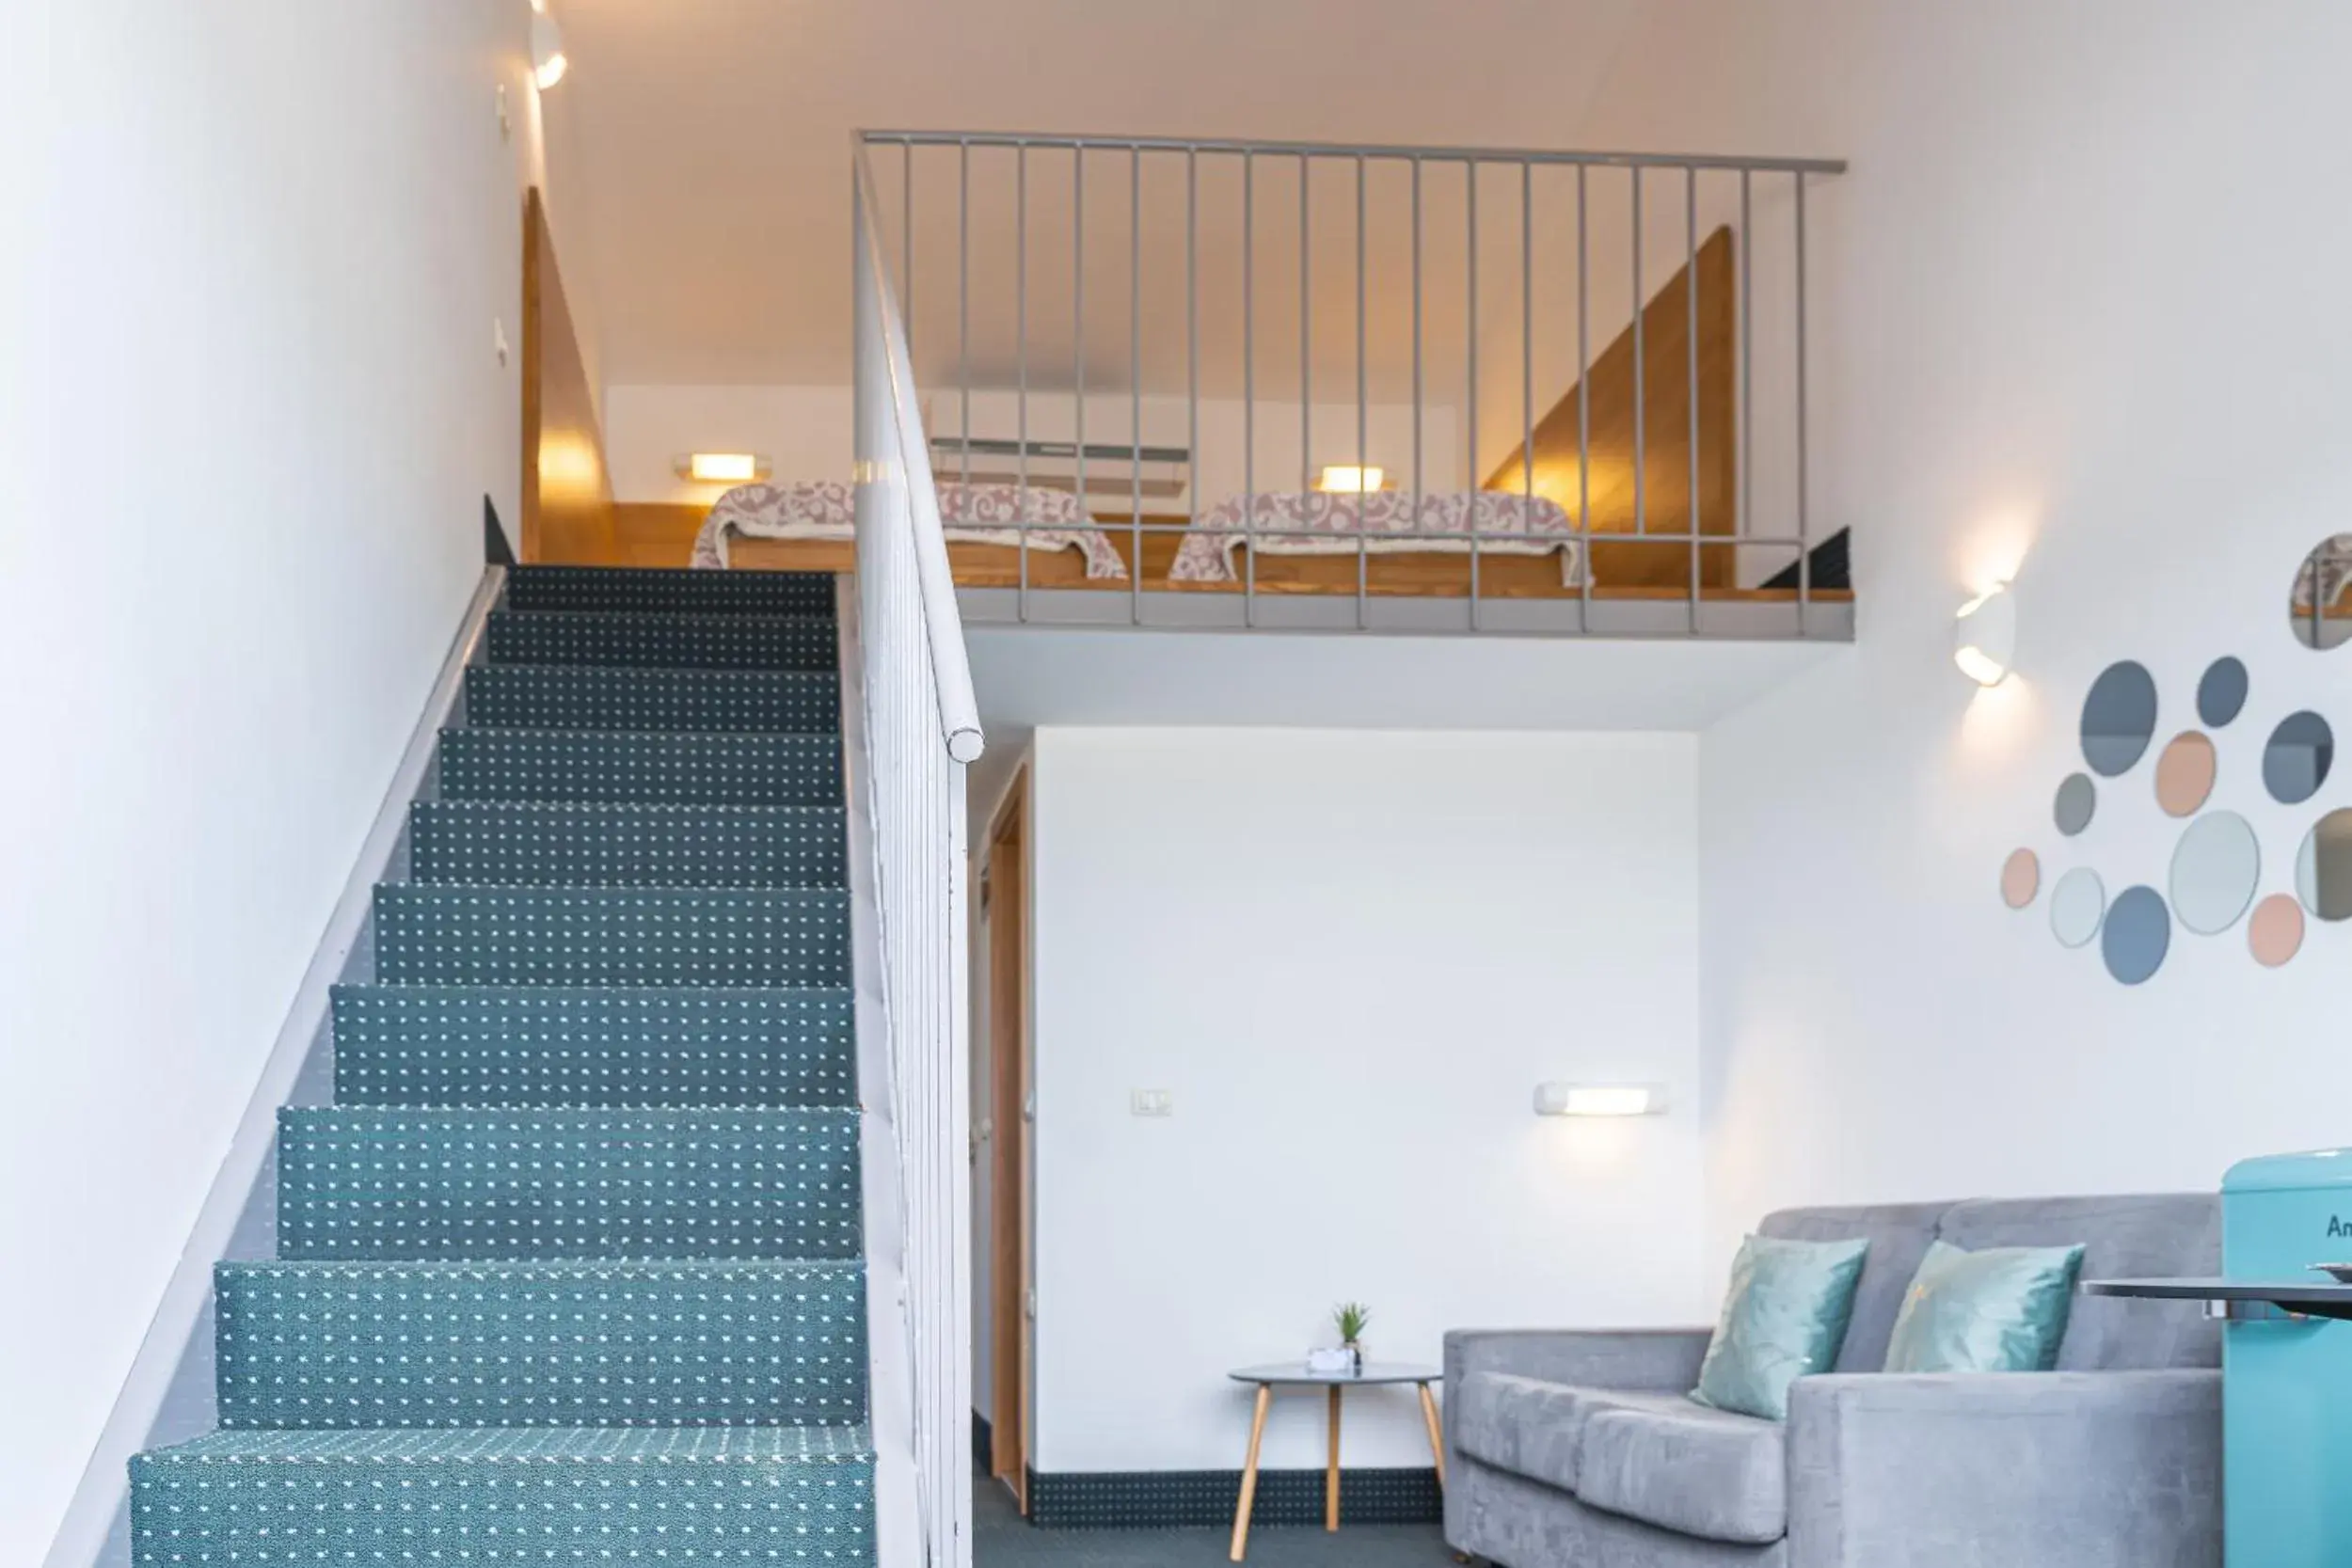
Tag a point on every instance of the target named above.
point(2076, 319)
point(1350, 956)
point(252, 411)
point(807, 432)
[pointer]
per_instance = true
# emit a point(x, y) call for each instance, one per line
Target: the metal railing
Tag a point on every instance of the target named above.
point(912, 729)
point(1446, 305)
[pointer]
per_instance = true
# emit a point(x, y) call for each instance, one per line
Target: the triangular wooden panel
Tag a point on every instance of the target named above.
point(1665, 446)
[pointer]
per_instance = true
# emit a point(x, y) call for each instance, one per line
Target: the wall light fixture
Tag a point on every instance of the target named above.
point(1984, 641)
point(1600, 1100)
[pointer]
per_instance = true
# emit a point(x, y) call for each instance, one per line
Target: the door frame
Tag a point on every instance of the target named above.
point(1012, 1347)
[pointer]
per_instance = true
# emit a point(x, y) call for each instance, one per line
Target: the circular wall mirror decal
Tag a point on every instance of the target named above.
point(2221, 695)
point(2137, 931)
point(2216, 869)
point(2021, 879)
point(2076, 905)
point(2322, 867)
point(2118, 718)
point(2295, 761)
point(2276, 932)
point(2185, 770)
point(2078, 800)
point(2320, 608)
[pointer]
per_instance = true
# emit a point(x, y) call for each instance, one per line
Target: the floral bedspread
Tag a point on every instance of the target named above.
point(972, 513)
point(1315, 523)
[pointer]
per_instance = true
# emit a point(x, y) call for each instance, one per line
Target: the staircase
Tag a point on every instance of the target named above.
point(571, 1271)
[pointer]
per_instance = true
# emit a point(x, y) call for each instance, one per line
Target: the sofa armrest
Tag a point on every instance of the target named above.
point(2023, 1470)
point(1651, 1360)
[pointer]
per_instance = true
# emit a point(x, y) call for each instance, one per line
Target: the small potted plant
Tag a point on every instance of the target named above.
point(1351, 1317)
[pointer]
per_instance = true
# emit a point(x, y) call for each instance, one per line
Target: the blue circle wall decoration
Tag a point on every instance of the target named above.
point(2118, 718)
point(2221, 695)
point(2137, 933)
point(2297, 757)
point(2078, 801)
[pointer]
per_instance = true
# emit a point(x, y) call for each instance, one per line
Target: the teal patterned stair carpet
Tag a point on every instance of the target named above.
point(571, 1272)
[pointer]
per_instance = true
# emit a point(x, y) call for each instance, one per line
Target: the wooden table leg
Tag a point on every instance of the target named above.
point(1250, 1473)
point(1331, 1475)
point(1437, 1432)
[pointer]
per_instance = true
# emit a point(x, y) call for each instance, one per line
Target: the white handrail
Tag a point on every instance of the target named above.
point(959, 710)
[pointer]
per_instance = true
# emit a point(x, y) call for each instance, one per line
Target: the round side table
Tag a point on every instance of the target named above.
point(1292, 1374)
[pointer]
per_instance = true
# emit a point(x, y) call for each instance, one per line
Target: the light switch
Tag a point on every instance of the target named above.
point(1150, 1102)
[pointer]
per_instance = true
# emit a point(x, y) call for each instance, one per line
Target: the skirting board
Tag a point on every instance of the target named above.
point(1164, 1500)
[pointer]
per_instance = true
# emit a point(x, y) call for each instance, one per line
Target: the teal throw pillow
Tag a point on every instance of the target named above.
point(1785, 1316)
point(1999, 1311)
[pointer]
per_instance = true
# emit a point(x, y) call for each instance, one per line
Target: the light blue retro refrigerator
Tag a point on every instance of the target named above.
point(2288, 1381)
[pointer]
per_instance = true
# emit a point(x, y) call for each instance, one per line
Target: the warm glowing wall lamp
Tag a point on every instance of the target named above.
point(547, 62)
point(1600, 1100)
point(1985, 640)
point(723, 467)
point(1350, 481)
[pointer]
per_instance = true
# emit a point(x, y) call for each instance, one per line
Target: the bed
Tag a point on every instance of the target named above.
point(1310, 523)
point(993, 515)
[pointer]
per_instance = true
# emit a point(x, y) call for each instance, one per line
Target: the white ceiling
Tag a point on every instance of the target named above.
point(713, 136)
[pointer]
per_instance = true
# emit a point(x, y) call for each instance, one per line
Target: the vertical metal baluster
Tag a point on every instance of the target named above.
point(1415, 525)
point(1363, 487)
point(906, 246)
point(1527, 348)
point(1078, 318)
point(963, 302)
point(1305, 372)
point(1135, 373)
point(1804, 531)
point(1640, 390)
point(1691, 300)
point(1583, 411)
point(1477, 489)
point(1745, 522)
point(1192, 341)
point(1021, 330)
point(1249, 388)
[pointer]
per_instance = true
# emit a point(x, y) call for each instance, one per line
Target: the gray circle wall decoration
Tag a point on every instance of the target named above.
point(2078, 802)
point(2077, 905)
point(2322, 867)
point(2136, 935)
point(2221, 695)
point(2118, 718)
point(2216, 869)
point(2297, 758)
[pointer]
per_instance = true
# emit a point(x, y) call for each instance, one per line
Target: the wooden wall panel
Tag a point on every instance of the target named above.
point(567, 493)
point(1666, 433)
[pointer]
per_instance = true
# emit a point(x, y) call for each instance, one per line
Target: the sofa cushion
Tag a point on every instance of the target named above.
point(1898, 1234)
point(1532, 1428)
point(1690, 1469)
point(2125, 1237)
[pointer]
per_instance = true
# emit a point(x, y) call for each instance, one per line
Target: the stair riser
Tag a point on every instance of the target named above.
point(553, 697)
point(686, 769)
point(524, 1185)
point(670, 847)
point(428, 1345)
point(491, 1046)
point(449, 936)
point(595, 588)
point(504, 1516)
point(661, 641)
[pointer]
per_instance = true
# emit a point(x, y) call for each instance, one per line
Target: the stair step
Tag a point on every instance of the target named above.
point(538, 1184)
point(541, 1344)
point(587, 844)
point(677, 592)
point(587, 1047)
point(636, 638)
point(509, 1497)
point(446, 934)
point(611, 766)
point(583, 697)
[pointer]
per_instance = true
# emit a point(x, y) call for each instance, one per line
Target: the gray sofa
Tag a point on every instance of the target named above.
point(1580, 1449)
